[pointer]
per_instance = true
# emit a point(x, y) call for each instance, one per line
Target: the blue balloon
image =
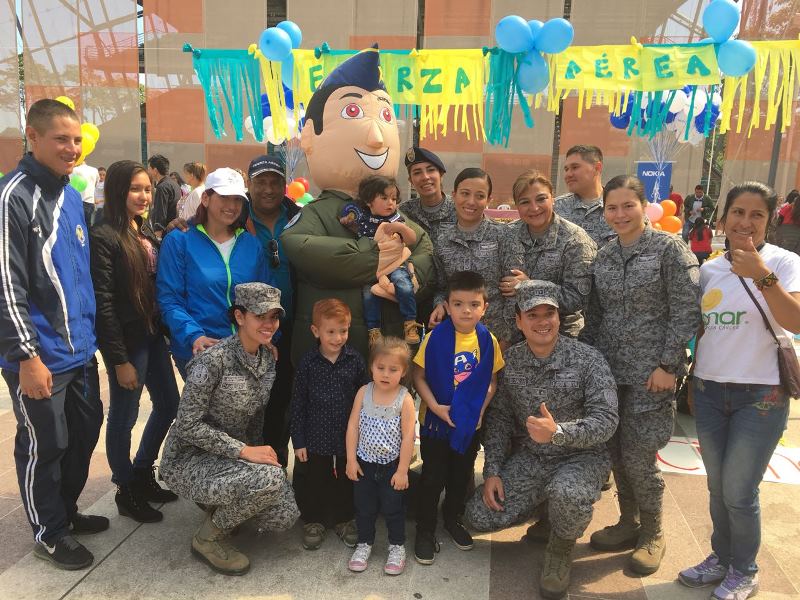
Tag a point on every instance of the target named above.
point(555, 36)
point(736, 57)
point(513, 34)
point(536, 26)
point(720, 19)
point(620, 121)
point(533, 74)
point(275, 44)
point(287, 71)
point(294, 32)
point(266, 109)
point(670, 117)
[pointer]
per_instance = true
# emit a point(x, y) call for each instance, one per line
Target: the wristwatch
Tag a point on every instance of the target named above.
point(558, 438)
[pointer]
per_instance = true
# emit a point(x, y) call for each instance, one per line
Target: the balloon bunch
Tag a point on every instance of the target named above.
point(297, 190)
point(266, 115)
point(720, 19)
point(515, 35)
point(662, 216)
point(276, 44)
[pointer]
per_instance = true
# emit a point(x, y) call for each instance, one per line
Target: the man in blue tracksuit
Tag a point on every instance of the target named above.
point(47, 338)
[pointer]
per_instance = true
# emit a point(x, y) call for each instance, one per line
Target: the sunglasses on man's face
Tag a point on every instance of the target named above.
point(274, 258)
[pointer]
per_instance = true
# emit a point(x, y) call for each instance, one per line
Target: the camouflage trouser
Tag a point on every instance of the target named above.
point(239, 489)
point(571, 484)
point(639, 437)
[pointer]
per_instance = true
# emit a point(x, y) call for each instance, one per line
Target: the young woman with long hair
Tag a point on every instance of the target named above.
point(124, 252)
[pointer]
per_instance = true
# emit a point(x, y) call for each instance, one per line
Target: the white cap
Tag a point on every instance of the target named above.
point(226, 182)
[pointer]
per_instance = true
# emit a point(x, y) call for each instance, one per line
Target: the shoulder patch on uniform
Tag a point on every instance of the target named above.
point(199, 374)
point(293, 220)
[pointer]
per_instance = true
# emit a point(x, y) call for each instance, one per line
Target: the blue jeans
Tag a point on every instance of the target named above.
point(373, 493)
point(738, 427)
point(154, 370)
point(180, 364)
point(403, 290)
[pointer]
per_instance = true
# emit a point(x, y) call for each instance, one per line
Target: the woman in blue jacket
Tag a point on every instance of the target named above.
point(198, 269)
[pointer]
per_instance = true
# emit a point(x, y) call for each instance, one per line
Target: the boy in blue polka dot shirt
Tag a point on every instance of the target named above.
point(326, 381)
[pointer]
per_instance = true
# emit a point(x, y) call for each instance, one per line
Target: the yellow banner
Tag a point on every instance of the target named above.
point(635, 67)
point(424, 77)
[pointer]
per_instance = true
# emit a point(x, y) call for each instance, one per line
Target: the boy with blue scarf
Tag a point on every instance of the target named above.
point(456, 377)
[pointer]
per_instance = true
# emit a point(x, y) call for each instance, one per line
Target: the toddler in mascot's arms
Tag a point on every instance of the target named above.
point(375, 216)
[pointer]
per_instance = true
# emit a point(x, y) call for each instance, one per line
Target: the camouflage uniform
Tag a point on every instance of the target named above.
point(564, 256)
point(580, 393)
point(479, 251)
point(588, 216)
point(645, 307)
point(431, 221)
point(221, 411)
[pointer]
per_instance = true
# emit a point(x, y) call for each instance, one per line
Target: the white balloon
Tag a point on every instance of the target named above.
point(716, 99)
point(679, 102)
point(645, 100)
point(700, 100)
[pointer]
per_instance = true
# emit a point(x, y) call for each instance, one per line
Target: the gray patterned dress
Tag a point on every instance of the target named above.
point(220, 412)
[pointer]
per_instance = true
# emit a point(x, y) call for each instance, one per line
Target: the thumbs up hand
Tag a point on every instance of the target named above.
point(541, 429)
point(747, 262)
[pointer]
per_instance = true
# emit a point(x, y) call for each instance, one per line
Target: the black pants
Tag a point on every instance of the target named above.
point(328, 494)
point(373, 493)
point(276, 415)
point(55, 440)
point(443, 469)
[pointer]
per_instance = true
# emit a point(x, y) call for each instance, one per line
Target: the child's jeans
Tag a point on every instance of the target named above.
point(373, 493)
point(403, 290)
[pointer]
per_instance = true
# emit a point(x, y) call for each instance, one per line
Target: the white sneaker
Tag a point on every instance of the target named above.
point(358, 562)
point(396, 561)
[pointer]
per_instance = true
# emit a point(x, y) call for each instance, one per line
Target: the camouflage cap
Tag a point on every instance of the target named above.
point(533, 292)
point(258, 298)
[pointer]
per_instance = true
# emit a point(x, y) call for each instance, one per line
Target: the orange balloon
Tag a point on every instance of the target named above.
point(671, 224)
point(669, 208)
point(657, 226)
point(295, 190)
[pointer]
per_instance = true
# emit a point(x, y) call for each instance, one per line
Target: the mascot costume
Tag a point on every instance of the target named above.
point(350, 132)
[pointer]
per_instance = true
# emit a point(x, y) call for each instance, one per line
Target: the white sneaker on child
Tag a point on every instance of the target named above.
point(358, 562)
point(396, 561)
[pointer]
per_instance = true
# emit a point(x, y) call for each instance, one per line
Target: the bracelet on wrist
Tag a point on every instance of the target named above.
point(766, 281)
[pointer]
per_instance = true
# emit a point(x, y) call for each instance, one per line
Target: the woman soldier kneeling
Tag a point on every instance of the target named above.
point(214, 453)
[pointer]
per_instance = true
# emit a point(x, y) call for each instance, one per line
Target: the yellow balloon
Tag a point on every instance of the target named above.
point(67, 101)
point(87, 146)
point(90, 129)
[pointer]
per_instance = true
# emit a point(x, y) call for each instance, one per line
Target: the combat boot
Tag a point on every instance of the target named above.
point(651, 546)
point(555, 572)
point(623, 535)
point(211, 544)
point(374, 336)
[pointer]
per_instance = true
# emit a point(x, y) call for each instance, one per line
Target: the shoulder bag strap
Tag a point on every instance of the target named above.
point(760, 310)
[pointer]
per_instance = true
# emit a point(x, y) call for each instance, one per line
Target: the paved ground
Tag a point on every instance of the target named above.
point(153, 561)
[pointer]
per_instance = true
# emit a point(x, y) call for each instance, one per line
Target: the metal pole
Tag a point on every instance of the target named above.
point(776, 149)
point(711, 162)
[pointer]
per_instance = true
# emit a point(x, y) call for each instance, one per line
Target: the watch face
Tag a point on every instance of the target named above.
point(558, 438)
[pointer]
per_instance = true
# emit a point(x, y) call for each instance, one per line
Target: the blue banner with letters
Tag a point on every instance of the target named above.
point(655, 178)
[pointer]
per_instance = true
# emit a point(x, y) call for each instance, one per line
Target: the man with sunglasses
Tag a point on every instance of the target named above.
point(269, 210)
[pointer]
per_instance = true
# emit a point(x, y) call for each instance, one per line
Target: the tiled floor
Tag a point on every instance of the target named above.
point(153, 561)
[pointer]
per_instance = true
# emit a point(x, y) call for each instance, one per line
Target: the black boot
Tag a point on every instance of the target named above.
point(131, 503)
point(144, 480)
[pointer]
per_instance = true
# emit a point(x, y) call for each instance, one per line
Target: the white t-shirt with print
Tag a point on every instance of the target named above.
point(736, 346)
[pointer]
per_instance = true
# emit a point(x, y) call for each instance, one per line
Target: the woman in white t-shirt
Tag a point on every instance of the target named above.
point(195, 173)
point(741, 408)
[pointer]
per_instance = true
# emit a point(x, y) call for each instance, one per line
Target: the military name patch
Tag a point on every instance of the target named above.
point(233, 382)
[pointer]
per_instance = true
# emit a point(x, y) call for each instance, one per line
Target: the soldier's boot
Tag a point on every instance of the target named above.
point(554, 581)
point(539, 532)
point(211, 544)
point(410, 332)
point(623, 535)
point(374, 335)
point(651, 546)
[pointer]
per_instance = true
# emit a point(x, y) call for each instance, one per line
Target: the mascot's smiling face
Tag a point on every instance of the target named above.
point(350, 130)
point(359, 138)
